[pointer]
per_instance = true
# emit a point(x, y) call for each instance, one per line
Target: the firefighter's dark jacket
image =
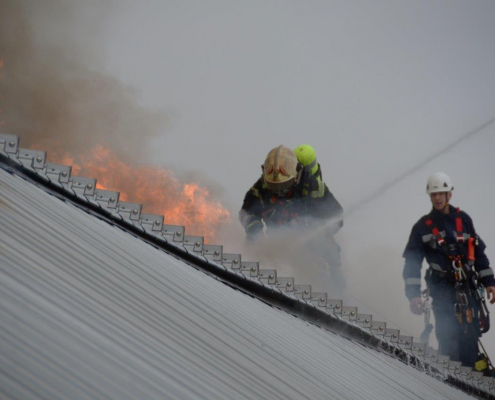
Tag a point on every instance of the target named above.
point(422, 244)
point(310, 200)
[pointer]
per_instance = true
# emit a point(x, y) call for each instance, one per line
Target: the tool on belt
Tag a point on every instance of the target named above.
point(425, 335)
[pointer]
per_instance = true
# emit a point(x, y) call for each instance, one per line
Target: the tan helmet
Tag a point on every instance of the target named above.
point(280, 170)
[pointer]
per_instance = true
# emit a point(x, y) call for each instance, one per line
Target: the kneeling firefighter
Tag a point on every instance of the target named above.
point(457, 277)
point(290, 195)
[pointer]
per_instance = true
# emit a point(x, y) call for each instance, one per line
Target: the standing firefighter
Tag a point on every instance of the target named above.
point(290, 195)
point(457, 276)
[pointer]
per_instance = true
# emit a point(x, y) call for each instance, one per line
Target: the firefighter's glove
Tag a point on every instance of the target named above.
point(254, 231)
point(417, 306)
point(490, 294)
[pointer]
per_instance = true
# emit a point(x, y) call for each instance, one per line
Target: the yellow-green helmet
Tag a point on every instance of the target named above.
point(280, 170)
point(306, 155)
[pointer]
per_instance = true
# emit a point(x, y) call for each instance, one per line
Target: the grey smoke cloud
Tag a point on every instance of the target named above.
point(56, 96)
point(53, 94)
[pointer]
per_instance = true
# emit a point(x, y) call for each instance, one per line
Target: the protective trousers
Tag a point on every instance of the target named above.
point(455, 339)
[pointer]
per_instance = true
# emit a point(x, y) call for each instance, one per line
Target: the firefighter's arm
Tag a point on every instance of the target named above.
point(336, 212)
point(413, 286)
point(325, 206)
point(414, 255)
point(481, 264)
point(250, 213)
point(412, 278)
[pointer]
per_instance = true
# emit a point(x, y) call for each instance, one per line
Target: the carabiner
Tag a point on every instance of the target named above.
point(463, 299)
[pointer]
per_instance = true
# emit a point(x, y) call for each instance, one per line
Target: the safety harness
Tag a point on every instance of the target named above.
point(459, 230)
point(454, 253)
point(469, 290)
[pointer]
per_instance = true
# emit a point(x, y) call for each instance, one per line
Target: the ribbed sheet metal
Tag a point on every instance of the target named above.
point(88, 311)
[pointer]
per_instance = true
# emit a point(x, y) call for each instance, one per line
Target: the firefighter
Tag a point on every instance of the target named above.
point(289, 195)
point(442, 237)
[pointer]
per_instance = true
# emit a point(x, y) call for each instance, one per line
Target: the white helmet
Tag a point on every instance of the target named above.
point(439, 182)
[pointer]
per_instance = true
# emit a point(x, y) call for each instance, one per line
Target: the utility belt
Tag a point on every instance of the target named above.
point(469, 304)
point(436, 274)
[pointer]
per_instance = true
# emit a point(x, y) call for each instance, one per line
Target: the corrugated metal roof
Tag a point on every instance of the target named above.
point(92, 309)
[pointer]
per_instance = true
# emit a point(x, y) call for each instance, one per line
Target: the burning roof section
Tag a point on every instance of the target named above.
point(247, 276)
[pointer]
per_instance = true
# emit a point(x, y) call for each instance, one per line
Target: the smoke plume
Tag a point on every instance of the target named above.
point(52, 92)
point(55, 97)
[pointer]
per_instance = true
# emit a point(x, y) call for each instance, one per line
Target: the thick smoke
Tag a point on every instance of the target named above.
point(52, 93)
point(301, 250)
point(55, 98)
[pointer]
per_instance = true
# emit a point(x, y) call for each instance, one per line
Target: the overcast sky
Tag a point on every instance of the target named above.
point(375, 86)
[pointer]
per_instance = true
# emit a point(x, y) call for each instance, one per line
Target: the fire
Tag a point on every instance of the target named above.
point(189, 204)
point(156, 188)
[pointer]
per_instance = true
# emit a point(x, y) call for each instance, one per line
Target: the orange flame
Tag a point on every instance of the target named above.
point(157, 189)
